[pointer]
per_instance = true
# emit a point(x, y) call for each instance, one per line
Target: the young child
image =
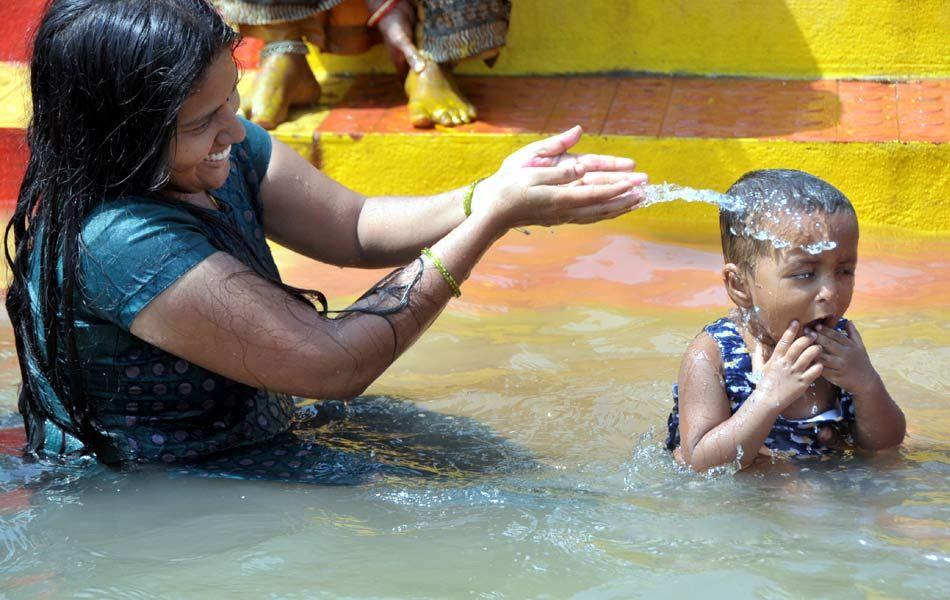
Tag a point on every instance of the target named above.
point(784, 373)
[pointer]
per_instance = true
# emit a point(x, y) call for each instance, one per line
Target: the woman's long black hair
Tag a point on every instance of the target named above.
point(108, 80)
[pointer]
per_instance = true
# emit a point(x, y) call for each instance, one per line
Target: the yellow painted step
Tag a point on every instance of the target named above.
point(899, 184)
point(762, 38)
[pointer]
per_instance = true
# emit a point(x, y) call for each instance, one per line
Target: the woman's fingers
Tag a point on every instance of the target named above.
point(555, 145)
point(601, 177)
point(591, 162)
point(571, 197)
point(611, 209)
point(567, 172)
point(603, 162)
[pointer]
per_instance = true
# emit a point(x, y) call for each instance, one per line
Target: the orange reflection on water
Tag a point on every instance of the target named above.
point(633, 263)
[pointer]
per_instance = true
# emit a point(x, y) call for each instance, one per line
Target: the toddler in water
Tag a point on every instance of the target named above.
point(784, 373)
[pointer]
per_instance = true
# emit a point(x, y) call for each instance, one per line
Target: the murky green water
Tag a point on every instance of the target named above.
point(539, 400)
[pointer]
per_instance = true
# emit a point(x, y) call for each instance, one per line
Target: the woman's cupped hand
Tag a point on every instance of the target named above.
point(544, 184)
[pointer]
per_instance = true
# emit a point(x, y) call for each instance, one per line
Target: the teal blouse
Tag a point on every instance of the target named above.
point(150, 404)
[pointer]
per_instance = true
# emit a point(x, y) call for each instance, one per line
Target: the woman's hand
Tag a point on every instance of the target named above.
point(787, 374)
point(542, 184)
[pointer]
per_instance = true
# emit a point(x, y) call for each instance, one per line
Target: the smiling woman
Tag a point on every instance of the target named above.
point(150, 318)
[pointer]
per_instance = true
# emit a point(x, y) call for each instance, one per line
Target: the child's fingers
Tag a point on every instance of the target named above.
point(758, 357)
point(831, 361)
point(808, 356)
point(786, 340)
point(830, 344)
point(813, 372)
point(833, 334)
point(798, 346)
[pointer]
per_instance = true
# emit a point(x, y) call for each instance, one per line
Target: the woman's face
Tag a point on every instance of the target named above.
point(200, 153)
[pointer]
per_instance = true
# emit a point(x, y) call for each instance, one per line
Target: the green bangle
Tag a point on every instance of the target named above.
point(453, 285)
point(469, 194)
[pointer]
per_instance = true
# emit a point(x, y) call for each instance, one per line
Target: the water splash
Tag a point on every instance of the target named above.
point(819, 247)
point(670, 192)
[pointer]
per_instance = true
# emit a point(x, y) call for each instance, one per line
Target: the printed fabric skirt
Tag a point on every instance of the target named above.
point(448, 30)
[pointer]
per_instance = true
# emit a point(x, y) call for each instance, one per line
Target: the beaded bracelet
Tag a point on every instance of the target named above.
point(453, 285)
point(469, 194)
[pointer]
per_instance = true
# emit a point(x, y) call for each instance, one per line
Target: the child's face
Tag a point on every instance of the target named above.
point(792, 284)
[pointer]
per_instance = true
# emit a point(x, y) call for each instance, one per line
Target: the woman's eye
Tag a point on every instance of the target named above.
point(848, 272)
point(201, 128)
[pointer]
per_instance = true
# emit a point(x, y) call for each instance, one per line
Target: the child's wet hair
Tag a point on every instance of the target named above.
point(771, 198)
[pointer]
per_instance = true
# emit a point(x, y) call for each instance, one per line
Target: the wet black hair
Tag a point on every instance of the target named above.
point(767, 198)
point(108, 80)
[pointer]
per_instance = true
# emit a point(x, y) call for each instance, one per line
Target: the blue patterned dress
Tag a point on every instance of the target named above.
point(797, 437)
point(148, 404)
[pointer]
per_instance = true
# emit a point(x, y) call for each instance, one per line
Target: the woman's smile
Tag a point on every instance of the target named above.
point(219, 156)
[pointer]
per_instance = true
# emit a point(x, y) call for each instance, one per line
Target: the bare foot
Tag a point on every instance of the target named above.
point(433, 98)
point(284, 80)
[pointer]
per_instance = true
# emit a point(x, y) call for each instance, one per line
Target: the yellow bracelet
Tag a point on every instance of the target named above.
point(453, 285)
point(469, 194)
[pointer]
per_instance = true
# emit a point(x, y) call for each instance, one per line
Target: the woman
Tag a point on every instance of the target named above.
point(150, 319)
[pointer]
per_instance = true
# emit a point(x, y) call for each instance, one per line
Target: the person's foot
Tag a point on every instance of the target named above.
point(434, 99)
point(284, 80)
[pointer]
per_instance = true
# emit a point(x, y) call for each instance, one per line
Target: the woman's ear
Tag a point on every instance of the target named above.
point(737, 285)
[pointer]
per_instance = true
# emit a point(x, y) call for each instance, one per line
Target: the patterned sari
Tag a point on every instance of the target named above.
point(448, 30)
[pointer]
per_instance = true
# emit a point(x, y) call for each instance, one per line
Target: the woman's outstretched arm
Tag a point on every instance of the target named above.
point(310, 213)
point(224, 318)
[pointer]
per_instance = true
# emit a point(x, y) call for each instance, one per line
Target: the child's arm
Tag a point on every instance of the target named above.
point(709, 434)
point(879, 422)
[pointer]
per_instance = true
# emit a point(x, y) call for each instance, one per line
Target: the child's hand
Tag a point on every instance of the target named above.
point(845, 358)
point(790, 370)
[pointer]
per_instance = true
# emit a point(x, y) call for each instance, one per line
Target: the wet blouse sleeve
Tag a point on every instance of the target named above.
point(133, 251)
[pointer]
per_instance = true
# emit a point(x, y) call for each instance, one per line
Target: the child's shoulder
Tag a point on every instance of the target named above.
point(705, 346)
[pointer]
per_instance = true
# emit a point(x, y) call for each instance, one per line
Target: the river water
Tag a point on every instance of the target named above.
point(531, 419)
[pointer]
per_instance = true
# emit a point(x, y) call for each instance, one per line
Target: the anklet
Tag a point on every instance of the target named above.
point(284, 47)
point(384, 9)
point(453, 285)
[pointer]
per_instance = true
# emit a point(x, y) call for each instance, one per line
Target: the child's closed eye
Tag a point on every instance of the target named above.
point(803, 275)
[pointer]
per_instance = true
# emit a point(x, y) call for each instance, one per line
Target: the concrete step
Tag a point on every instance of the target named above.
point(885, 144)
point(794, 39)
